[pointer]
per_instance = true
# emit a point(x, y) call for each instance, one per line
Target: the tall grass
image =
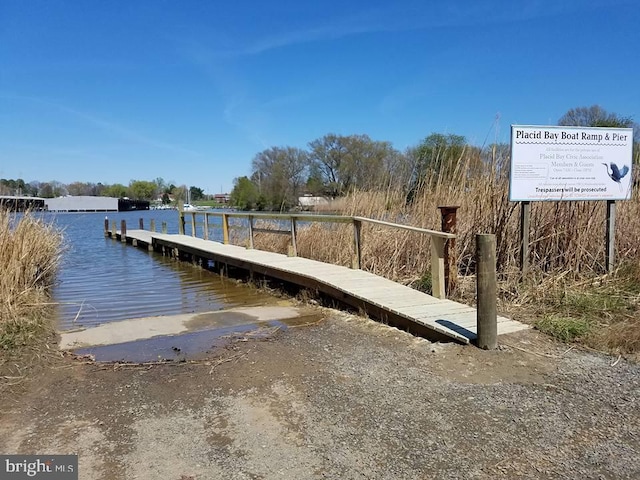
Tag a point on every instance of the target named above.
point(30, 251)
point(567, 247)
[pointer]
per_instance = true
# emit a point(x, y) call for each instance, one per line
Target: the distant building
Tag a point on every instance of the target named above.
point(309, 202)
point(21, 203)
point(222, 197)
point(94, 204)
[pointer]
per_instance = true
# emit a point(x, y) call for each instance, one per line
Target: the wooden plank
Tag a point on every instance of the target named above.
point(361, 289)
point(511, 327)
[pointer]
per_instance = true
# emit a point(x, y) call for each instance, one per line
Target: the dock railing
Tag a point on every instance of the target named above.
point(437, 239)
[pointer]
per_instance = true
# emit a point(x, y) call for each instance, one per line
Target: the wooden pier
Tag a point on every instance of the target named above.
point(383, 299)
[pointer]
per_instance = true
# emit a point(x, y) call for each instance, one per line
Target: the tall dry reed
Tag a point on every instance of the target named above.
point(565, 237)
point(567, 243)
point(30, 252)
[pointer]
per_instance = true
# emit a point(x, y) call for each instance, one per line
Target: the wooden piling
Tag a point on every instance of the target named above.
point(106, 226)
point(164, 227)
point(152, 225)
point(141, 223)
point(123, 230)
point(487, 319)
point(113, 229)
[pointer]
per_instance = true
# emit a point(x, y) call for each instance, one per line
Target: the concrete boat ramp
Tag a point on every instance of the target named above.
point(183, 336)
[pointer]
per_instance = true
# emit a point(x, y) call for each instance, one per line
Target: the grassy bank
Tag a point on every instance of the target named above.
point(567, 294)
point(30, 251)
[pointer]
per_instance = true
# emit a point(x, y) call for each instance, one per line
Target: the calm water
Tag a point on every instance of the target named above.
point(102, 280)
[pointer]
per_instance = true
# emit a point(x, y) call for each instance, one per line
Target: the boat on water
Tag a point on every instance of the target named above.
point(188, 207)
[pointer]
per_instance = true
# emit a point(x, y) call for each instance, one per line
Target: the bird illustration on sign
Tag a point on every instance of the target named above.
point(616, 174)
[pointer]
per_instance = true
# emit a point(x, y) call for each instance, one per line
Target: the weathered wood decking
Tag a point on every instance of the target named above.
point(384, 299)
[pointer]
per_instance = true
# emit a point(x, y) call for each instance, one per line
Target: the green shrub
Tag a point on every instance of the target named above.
point(566, 329)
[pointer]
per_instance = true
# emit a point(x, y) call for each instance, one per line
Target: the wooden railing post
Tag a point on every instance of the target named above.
point(123, 230)
point(180, 223)
point(193, 224)
point(487, 320)
point(250, 231)
point(294, 245)
point(225, 229)
point(106, 226)
point(206, 226)
point(437, 266)
point(449, 225)
point(141, 223)
point(356, 260)
point(164, 227)
point(152, 225)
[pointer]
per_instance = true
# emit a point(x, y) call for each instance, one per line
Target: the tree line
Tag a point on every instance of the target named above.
point(334, 165)
point(330, 166)
point(137, 190)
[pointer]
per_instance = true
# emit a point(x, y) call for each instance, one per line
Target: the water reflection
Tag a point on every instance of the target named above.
point(102, 280)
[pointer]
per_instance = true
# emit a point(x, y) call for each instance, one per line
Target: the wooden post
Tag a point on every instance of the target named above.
point(356, 260)
point(141, 223)
point(225, 229)
point(193, 224)
point(113, 229)
point(123, 230)
point(525, 216)
point(250, 231)
point(437, 266)
point(206, 226)
point(106, 226)
point(449, 225)
point(152, 225)
point(487, 320)
point(610, 243)
point(294, 245)
point(164, 227)
point(180, 223)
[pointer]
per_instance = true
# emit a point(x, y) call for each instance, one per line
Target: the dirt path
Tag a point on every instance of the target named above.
point(345, 399)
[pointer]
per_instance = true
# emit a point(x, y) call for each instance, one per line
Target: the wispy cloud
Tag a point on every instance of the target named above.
point(414, 15)
point(101, 123)
point(240, 109)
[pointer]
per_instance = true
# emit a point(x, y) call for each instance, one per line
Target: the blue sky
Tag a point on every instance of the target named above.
point(190, 91)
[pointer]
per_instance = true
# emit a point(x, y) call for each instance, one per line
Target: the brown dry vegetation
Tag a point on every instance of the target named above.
point(567, 292)
point(30, 252)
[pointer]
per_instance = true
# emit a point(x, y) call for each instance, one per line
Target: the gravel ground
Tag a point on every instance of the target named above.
point(345, 399)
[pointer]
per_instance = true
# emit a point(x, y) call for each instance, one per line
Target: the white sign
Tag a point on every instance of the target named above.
point(570, 163)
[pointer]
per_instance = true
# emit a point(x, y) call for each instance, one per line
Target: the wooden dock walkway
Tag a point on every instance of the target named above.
point(383, 299)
